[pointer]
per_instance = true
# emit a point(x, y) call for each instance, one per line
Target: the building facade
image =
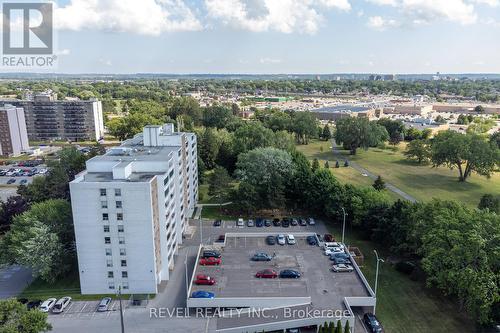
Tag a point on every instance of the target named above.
point(13, 134)
point(50, 119)
point(131, 207)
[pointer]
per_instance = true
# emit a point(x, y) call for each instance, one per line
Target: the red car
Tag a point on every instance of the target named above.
point(266, 274)
point(204, 279)
point(210, 261)
point(329, 238)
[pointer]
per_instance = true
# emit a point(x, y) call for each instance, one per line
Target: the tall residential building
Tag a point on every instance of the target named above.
point(13, 135)
point(50, 119)
point(130, 209)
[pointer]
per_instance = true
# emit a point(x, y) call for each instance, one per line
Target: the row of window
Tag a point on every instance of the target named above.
point(107, 240)
point(111, 274)
point(111, 285)
point(121, 228)
point(118, 192)
point(118, 204)
point(119, 216)
point(109, 253)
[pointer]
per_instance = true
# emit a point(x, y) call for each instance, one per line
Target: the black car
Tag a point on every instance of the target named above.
point(271, 240)
point(11, 181)
point(372, 323)
point(276, 222)
point(289, 274)
point(267, 223)
point(340, 255)
point(217, 223)
point(34, 304)
point(210, 254)
point(302, 221)
point(311, 240)
point(285, 223)
point(259, 223)
point(294, 222)
point(337, 261)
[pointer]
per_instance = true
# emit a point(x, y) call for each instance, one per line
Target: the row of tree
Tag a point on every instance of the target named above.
point(332, 328)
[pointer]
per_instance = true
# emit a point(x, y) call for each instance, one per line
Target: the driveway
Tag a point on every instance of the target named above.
point(13, 280)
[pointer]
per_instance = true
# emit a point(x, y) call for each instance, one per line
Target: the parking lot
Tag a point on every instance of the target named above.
point(88, 309)
point(16, 175)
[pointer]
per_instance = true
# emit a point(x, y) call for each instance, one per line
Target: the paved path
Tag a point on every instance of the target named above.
point(13, 280)
point(363, 171)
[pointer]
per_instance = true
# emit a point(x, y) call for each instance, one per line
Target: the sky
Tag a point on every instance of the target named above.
point(278, 36)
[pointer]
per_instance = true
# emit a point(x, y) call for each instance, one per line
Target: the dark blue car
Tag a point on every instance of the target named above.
point(259, 223)
point(289, 274)
point(202, 294)
point(311, 240)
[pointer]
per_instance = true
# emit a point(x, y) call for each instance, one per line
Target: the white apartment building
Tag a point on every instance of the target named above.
point(130, 209)
point(13, 134)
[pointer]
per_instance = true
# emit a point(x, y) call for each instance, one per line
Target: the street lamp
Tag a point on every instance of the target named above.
point(343, 225)
point(376, 279)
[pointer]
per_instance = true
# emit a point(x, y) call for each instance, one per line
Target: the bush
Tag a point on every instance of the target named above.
point(405, 267)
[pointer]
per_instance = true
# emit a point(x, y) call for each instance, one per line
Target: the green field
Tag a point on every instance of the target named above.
point(407, 306)
point(421, 181)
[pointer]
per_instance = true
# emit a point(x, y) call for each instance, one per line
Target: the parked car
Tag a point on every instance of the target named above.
point(202, 294)
point(302, 221)
point(320, 238)
point(294, 222)
point(290, 239)
point(342, 268)
point(221, 239)
point(261, 256)
point(372, 323)
point(61, 304)
point(204, 280)
point(337, 261)
point(331, 250)
point(271, 240)
point(289, 274)
point(266, 274)
point(259, 223)
point(11, 181)
point(23, 181)
point(342, 255)
point(104, 304)
point(34, 304)
point(328, 238)
point(48, 305)
point(23, 300)
point(210, 254)
point(210, 261)
point(276, 222)
point(311, 240)
point(250, 223)
point(333, 244)
point(2, 173)
point(267, 223)
point(285, 223)
point(311, 221)
point(281, 239)
point(217, 223)
point(240, 223)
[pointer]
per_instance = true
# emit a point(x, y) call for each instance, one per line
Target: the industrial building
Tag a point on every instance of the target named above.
point(130, 209)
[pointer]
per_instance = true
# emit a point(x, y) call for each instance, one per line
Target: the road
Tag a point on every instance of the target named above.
point(363, 171)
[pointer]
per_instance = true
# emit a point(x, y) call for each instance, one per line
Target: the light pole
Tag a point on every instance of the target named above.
point(121, 309)
point(343, 225)
point(376, 279)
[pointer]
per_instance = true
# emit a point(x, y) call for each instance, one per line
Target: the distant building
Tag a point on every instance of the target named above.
point(131, 208)
point(411, 109)
point(343, 111)
point(465, 108)
point(13, 134)
point(50, 119)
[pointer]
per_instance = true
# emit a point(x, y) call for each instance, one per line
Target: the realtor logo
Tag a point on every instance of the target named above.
point(27, 28)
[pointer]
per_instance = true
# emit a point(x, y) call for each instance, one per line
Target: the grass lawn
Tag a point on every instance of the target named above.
point(405, 305)
point(68, 286)
point(215, 213)
point(421, 181)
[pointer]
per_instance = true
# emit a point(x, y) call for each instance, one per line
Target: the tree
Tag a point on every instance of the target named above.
point(490, 202)
point(467, 152)
point(480, 126)
point(379, 184)
point(315, 164)
point(219, 183)
point(208, 147)
point(327, 165)
point(252, 135)
point(355, 132)
point(326, 134)
point(479, 109)
point(395, 128)
point(14, 205)
point(338, 328)
point(347, 328)
point(130, 125)
point(495, 139)
point(187, 107)
point(418, 150)
point(16, 318)
point(440, 120)
point(217, 116)
point(268, 171)
point(304, 125)
point(337, 165)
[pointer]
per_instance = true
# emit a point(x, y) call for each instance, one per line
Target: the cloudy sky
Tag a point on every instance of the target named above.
point(278, 36)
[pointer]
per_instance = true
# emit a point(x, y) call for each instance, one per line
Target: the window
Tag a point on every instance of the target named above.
point(121, 240)
point(107, 240)
point(125, 285)
point(118, 192)
point(123, 252)
point(111, 285)
point(118, 204)
point(105, 217)
point(119, 216)
point(109, 263)
point(124, 274)
point(124, 263)
point(103, 192)
point(106, 228)
point(110, 274)
point(104, 204)
point(108, 252)
point(120, 228)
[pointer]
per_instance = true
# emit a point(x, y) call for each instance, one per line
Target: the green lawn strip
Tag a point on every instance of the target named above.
point(216, 213)
point(405, 305)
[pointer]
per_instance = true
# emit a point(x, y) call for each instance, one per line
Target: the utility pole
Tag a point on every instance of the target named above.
point(343, 225)
point(376, 279)
point(121, 308)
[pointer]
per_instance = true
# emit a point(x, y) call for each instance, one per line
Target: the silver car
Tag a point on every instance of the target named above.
point(104, 304)
point(61, 305)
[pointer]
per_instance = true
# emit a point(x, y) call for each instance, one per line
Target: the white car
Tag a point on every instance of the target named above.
point(250, 223)
point(61, 304)
point(311, 221)
point(290, 239)
point(104, 304)
point(332, 250)
point(281, 240)
point(333, 244)
point(240, 223)
point(342, 268)
point(48, 305)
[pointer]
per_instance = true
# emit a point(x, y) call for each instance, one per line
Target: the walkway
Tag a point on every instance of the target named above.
point(363, 171)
